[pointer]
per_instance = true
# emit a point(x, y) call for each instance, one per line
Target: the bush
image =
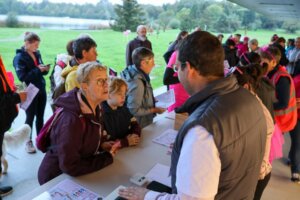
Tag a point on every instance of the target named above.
point(174, 24)
point(291, 26)
point(12, 20)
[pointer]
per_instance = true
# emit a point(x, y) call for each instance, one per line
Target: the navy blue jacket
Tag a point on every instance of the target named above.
point(119, 123)
point(27, 71)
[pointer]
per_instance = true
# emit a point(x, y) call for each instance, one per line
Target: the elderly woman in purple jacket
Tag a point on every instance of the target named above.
point(78, 144)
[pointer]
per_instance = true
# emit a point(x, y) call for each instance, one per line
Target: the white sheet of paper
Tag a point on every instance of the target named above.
point(160, 173)
point(67, 189)
point(226, 64)
point(114, 194)
point(165, 99)
point(31, 93)
point(166, 138)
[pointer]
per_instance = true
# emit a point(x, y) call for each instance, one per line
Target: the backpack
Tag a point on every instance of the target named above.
point(53, 86)
point(43, 138)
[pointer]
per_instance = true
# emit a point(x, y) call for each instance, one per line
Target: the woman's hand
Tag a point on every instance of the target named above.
point(133, 193)
point(23, 96)
point(44, 68)
point(133, 139)
point(158, 110)
point(106, 146)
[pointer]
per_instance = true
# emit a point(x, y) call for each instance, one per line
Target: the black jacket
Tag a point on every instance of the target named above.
point(27, 71)
point(132, 45)
point(231, 56)
point(119, 123)
point(8, 101)
point(283, 60)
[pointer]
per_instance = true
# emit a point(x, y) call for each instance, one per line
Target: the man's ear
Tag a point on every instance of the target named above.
point(189, 68)
point(84, 52)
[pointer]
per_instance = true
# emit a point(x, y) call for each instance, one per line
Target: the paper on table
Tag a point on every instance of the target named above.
point(160, 173)
point(165, 99)
point(166, 138)
point(31, 93)
point(114, 194)
point(68, 189)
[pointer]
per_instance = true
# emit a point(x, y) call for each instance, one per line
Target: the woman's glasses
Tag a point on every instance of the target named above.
point(102, 81)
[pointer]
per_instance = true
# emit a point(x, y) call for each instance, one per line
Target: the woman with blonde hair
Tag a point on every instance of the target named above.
point(30, 69)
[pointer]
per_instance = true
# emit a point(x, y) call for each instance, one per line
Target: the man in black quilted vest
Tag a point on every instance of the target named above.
point(219, 149)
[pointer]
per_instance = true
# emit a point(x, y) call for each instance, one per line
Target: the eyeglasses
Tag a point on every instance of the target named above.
point(102, 81)
point(177, 65)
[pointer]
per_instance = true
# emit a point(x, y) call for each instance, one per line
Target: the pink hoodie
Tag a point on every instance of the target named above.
point(180, 94)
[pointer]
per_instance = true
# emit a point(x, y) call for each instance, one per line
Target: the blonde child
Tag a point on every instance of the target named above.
point(118, 121)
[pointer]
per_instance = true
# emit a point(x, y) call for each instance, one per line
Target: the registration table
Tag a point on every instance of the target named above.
point(127, 162)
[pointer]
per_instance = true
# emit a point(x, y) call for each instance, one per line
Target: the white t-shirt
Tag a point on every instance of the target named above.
point(198, 168)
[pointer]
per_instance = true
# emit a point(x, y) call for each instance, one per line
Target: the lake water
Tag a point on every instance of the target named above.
point(62, 22)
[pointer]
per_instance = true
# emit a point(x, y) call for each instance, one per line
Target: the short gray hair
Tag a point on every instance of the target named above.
point(253, 42)
point(140, 27)
point(84, 70)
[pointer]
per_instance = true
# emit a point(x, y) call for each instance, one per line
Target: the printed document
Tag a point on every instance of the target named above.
point(31, 93)
point(166, 138)
point(68, 190)
point(165, 99)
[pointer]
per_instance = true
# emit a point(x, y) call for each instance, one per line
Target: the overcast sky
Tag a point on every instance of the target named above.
point(156, 2)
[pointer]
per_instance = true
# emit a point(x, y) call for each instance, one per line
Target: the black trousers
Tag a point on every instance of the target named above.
point(260, 187)
point(1, 143)
point(36, 109)
point(294, 153)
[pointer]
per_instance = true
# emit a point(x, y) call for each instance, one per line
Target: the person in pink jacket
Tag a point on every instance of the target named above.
point(171, 79)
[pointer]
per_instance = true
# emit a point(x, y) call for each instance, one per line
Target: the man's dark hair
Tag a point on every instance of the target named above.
point(280, 39)
point(140, 54)
point(230, 42)
point(204, 52)
point(82, 43)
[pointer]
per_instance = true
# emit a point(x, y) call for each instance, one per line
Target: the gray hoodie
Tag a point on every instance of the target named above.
point(139, 96)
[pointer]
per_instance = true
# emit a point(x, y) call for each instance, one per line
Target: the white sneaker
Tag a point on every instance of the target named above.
point(29, 147)
point(296, 178)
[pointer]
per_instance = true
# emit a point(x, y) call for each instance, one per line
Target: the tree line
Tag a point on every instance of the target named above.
point(217, 16)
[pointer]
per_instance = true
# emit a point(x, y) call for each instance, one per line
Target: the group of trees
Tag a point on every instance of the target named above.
point(102, 10)
point(218, 16)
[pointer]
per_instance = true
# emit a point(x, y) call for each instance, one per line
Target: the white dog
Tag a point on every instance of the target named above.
point(13, 139)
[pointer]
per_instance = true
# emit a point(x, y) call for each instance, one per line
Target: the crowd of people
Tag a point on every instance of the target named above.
point(241, 99)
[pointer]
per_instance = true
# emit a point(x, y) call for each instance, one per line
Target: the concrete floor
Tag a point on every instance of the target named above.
point(23, 167)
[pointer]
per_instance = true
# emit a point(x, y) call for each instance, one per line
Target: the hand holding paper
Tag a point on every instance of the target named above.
point(165, 100)
point(31, 93)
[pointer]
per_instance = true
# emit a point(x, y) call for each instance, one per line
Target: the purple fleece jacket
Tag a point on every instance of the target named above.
point(75, 143)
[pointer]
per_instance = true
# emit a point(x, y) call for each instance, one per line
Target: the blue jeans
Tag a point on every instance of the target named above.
point(294, 153)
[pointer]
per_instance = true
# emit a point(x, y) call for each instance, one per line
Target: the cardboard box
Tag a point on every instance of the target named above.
point(179, 120)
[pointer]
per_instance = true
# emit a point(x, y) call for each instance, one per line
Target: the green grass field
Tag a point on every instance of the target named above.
point(111, 46)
